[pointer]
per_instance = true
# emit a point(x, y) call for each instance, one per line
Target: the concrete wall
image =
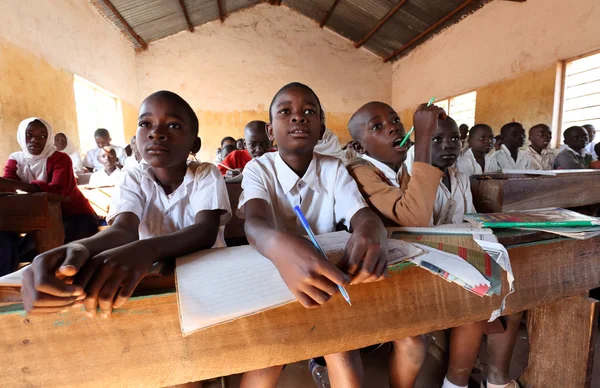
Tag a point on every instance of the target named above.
point(42, 44)
point(507, 52)
point(229, 72)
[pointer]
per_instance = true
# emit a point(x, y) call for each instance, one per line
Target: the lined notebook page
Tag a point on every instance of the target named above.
point(219, 285)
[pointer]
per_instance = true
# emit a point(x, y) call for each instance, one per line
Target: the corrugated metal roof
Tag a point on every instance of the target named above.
point(353, 19)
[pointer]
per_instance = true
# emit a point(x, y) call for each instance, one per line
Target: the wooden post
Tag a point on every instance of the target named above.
point(562, 335)
point(221, 11)
point(186, 15)
point(125, 24)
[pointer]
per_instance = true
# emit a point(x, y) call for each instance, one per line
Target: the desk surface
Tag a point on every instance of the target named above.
point(144, 338)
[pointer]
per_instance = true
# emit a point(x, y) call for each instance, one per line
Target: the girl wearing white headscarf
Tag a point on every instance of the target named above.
point(65, 145)
point(38, 167)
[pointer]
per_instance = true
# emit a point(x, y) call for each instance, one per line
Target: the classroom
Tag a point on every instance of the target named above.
point(165, 160)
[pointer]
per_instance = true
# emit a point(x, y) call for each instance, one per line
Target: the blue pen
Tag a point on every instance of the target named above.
point(312, 237)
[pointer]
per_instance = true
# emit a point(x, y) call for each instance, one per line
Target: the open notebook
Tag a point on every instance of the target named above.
point(219, 285)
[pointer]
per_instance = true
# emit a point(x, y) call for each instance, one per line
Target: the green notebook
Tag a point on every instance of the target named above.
point(552, 217)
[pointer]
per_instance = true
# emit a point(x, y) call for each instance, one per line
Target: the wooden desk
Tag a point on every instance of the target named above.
point(37, 213)
point(142, 345)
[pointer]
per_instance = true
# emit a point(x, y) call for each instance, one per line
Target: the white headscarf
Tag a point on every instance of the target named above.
point(73, 152)
point(32, 167)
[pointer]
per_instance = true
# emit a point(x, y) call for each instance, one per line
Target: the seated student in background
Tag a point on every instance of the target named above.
point(240, 145)
point(540, 156)
point(590, 147)
point(476, 159)
point(510, 156)
point(464, 134)
point(257, 144)
point(226, 141)
point(102, 137)
point(135, 158)
point(164, 209)
point(573, 156)
point(40, 168)
point(64, 145)
point(111, 174)
point(296, 176)
point(226, 150)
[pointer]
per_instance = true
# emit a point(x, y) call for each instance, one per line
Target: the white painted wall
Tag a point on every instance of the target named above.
point(73, 36)
point(500, 41)
point(239, 65)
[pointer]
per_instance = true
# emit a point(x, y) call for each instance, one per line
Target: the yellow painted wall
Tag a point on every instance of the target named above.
point(130, 116)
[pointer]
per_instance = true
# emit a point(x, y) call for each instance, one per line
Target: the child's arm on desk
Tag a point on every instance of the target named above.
point(309, 276)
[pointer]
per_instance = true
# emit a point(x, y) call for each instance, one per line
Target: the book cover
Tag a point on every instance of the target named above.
point(553, 217)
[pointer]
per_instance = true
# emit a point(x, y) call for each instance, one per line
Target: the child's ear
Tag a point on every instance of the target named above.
point(356, 146)
point(270, 132)
point(197, 145)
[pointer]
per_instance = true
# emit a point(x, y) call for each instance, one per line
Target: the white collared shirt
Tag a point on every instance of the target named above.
point(460, 191)
point(101, 178)
point(503, 160)
point(330, 145)
point(389, 173)
point(543, 161)
point(467, 164)
point(326, 193)
point(91, 158)
point(131, 163)
point(203, 188)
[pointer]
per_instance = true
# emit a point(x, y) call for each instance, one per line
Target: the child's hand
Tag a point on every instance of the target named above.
point(366, 257)
point(114, 275)
point(425, 120)
point(309, 276)
point(46, 282)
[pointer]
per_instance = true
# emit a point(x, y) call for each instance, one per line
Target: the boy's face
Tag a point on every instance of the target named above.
point(445, 144)
point(257, 141)
point(577, 139)
point(380, 134)
point(108, 158)
point(515, 138)
point(60, 141)
point(229, 142)
point(164, 135)
point(464, 131)
point(102, 141)
point(482, 139)
point(239, 144)
point(540, 137)
point(591, 130)
point(296, 125)
point(36, 136)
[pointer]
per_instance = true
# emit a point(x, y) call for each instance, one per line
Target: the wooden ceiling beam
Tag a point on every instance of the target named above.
point(186, 15)
point(138, 38)
point(427, 31)
point(221, 11)
point(383, 20)
point(328, 14)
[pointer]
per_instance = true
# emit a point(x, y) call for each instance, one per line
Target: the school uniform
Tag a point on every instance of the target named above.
point(131, 163)
point(569, 159)
point(73, 152)
point(467, 164)
point(91, 158)
point(203, 188)
point(451, 205)
point(326, 193)
point(236, 159)
point(398, 198)
point(503, 160)
point(590, 150)
point(101, 178)
point(543, 161)
point(330, 145)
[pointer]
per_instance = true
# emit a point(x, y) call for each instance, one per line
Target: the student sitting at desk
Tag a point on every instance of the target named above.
point(111, 174)
point(226, 141)
point(135, 158)
point(39, 167)
point(590, 148)
point(573, 156)
point(64, 145)
point(510, 156)
point(476, 159)
point(163, 209)
point(540, 156)
point(327, 195)
point(257, 144)
point(102, 137)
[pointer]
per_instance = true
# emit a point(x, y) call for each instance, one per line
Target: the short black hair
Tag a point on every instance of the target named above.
point(506, 128)
point(569, 131)
point(228, 149)
point(174, 97)
point(448, 120)
point(541, 125)
point(101, 132)
point(256, 124)
point(353, 124)
point(227, 138)
point(300, 86)
point(464, 126)
point(476, 127)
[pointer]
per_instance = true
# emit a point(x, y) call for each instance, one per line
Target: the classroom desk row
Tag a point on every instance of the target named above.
point(553, 276)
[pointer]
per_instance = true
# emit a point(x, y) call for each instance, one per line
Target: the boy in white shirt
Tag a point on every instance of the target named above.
point(110, 175)
point(540, 156)
point(476, 159)
point(296, 176)
point(164, 209)
point(102, 137)
point(135, 158)
point(510, 157)
point(589, 148)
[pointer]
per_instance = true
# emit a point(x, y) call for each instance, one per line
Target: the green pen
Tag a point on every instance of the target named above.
point(413, 127)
